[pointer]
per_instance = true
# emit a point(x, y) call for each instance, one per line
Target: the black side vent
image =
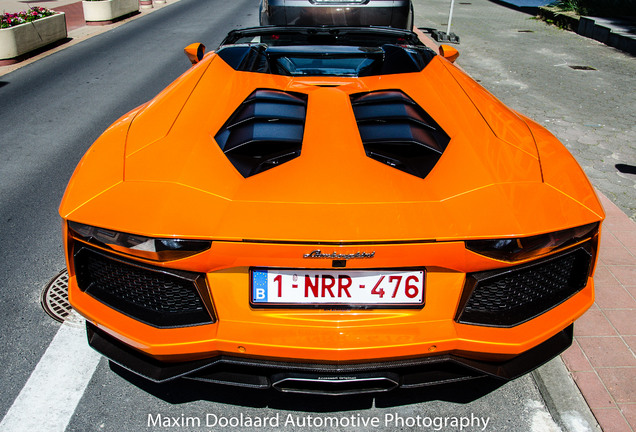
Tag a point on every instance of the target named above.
point(511, 296)
point(398, 132)
point(163, 298)
point(266, 130)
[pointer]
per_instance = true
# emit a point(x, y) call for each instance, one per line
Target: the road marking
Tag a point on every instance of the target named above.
point(541, 420)
point(51, 394)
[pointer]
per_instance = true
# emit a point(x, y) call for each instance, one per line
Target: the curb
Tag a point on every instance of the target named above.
point(563, 398)
point(588, 27)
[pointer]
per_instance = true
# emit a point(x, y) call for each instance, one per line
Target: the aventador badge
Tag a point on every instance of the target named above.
point(338, 256)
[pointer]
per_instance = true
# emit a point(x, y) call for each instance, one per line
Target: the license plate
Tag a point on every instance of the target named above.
point(342, 287)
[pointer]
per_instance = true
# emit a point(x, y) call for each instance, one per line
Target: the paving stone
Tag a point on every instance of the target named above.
point(596, 394)
point(620, 382)
point(629, 412)
point(611, 419)
point(575, 360)
point(623, 320)
point(607, 351)
point(598, 151)
point(594, 323)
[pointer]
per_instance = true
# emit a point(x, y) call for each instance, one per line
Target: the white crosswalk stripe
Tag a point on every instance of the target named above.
point(49, 398)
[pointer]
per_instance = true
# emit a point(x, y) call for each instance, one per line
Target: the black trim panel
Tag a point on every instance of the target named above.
point(257, 373)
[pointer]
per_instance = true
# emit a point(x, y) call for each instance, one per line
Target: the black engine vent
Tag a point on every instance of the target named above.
point(266, 130)
point(398, 132)
point(511, 296)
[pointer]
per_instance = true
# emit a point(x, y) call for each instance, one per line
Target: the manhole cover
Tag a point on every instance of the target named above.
point(581, 67)
point(54, 301)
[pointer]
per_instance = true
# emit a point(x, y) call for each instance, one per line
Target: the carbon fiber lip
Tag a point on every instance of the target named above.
point(262, 373)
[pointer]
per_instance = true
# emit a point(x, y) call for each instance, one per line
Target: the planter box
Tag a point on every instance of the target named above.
point(23, 38)
point(108, 11)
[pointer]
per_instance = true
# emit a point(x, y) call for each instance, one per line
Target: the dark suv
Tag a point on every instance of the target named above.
point(388, 13)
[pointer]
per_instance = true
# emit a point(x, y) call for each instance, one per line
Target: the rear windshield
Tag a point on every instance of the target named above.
point(323, 60)
point(330, 36)
point(330, 66)
point(325, 51)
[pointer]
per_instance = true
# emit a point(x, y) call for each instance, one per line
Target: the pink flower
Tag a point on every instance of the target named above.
point(32, 14)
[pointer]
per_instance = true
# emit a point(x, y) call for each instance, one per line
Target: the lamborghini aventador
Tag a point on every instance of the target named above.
point(329, 210)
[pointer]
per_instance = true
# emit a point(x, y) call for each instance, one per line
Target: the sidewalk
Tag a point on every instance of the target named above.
point(618, 32)
point(601, 359)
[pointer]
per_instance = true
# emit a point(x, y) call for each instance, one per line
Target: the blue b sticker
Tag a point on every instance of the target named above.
point(259, 286)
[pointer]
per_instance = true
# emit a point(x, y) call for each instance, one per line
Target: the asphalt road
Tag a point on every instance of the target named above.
point(50, 113)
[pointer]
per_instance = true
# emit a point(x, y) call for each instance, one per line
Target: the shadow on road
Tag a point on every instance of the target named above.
point(626, 169)
point(182, 391)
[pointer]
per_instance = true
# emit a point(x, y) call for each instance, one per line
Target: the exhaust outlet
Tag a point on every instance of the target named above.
point(335, 385)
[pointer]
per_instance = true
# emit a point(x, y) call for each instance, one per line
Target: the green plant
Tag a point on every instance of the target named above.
point(13, 19)
point(598, 7)
point(567, 5)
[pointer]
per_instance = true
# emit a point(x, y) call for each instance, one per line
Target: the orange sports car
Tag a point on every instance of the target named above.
point(329, 210)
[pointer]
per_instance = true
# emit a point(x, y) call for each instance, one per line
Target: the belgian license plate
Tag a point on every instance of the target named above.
point(337, 287)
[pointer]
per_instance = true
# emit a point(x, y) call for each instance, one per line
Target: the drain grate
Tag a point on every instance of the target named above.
point(55, 302)
point(525, 31)
point(581, 67)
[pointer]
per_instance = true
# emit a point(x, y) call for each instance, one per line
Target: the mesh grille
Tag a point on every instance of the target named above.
point(146, 294)
point(510, 297)
point(398, 132)
point(265, 131)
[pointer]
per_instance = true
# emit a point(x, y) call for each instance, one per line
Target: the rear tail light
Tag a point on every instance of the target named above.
point(155, 249)
point(519, 249)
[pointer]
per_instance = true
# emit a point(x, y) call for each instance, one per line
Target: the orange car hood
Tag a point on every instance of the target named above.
point(176, 181)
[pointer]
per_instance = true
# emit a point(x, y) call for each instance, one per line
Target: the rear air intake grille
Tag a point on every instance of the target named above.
point(266, 130)
point(398, 132)
point(508, 297)
point(147, 294)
